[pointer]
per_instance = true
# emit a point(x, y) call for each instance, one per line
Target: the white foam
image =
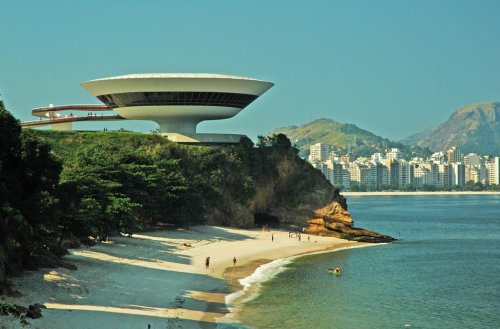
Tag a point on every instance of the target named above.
point(262, 274)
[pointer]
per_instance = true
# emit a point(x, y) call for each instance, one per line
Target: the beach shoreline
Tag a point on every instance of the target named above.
point(158, 278)
point(243, 293)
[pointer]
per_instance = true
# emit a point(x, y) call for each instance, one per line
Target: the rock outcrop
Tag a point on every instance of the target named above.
point(334, 220)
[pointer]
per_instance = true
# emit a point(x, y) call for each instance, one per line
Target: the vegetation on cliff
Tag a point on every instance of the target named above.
point(29, 202)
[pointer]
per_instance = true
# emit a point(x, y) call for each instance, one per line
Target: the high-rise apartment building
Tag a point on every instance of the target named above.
point(379, 176)
point(406, 173)
point(457, 174)
point(441, 175)
point(393, 170)
point(494, 171)
point(454, 155)
point(319, 152)
point(423, 175)
point(359, 173)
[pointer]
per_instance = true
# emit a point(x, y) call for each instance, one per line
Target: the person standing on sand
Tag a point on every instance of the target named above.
point(272, 237)
point(234, 262)
point(207, 262)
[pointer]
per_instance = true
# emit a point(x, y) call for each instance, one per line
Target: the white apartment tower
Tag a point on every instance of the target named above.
point(494, 171)
point(454, 155)
point(319, 152)
point(423, 175)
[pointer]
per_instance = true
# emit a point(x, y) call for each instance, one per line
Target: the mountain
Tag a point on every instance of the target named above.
point(472, 128)
point(413, 139)
point(344, 137)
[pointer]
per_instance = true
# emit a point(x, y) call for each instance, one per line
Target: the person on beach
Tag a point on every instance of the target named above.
point(272, 237)
point(234, 262)
point(207, 262)
point(308, 238)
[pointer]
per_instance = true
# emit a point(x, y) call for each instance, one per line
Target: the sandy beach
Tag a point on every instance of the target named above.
point(157, 278)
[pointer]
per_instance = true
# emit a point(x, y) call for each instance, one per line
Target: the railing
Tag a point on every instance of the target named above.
point(75, 107)
point(44, 122)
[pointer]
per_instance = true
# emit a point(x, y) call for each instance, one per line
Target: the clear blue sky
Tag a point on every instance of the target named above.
point(391, 67)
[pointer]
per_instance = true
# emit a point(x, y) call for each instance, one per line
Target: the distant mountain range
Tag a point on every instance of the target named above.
point(473, 128)
point(344, 137)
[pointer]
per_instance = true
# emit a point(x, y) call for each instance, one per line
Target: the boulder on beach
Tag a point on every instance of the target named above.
point(334, 220)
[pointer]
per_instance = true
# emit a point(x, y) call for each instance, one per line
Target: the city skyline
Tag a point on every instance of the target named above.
point(446, 169)
point(388, 67)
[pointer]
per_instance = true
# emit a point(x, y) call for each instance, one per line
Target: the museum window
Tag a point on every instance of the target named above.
point(158, 98)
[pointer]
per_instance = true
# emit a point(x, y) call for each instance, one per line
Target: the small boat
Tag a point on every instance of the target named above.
point(335, 271)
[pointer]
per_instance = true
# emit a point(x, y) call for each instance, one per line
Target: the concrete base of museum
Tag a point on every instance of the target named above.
point(203, 138)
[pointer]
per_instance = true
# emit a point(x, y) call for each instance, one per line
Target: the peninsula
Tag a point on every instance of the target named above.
point(140, 215)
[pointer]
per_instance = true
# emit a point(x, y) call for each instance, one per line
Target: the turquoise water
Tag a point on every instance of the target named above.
point(444, 272)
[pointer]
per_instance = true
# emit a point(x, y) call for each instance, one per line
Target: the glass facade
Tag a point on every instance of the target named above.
point(177, 98)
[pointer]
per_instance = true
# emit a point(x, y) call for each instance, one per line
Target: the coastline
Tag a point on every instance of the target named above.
point(246, 285)
point(158, 278)
point(399, 193)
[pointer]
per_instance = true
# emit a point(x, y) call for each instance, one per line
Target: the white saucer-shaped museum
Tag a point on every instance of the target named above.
point(177, 101)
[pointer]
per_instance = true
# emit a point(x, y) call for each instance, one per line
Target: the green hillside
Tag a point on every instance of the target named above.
point(233, 185)
point(343, 137)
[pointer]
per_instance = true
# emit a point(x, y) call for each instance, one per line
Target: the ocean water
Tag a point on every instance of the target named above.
point(443, 273)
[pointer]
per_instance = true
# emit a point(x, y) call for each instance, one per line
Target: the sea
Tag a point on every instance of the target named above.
point(444, 272)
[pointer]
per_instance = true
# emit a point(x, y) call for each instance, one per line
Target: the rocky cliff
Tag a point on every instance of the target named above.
point(287, 191)
point(334, 220)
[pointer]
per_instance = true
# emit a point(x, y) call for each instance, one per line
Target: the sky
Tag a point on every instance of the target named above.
point(391, 67)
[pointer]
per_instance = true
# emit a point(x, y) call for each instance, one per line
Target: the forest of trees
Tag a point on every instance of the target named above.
point(29, 177)
point(60, 189)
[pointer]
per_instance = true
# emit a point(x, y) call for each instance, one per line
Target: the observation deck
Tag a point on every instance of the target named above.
point(49, 115)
